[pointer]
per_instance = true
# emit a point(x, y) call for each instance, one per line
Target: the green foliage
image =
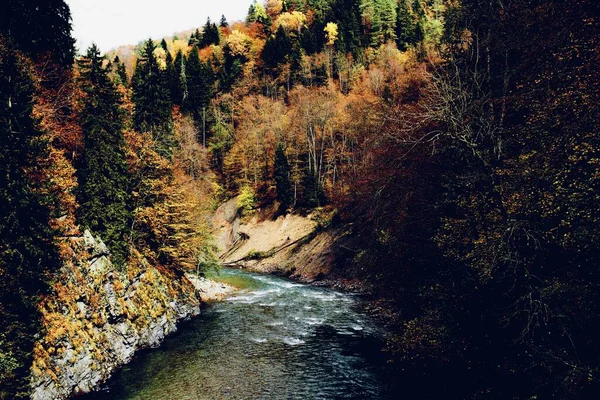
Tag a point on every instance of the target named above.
point(103, 192)
point(285, 193)
point(277, 48)
point(223, 23)
point(405, 27)
point(210, 35)
point(178, 80)
point(27, 252)
point(152, 112)
point(199, 83)
point(246, 200)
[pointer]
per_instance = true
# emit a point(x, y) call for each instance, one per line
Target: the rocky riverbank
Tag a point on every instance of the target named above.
point(99, 316)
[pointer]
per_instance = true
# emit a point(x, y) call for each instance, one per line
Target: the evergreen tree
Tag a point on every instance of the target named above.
point(152, 112)
point(120, 76)
point(195, 38)
point(27, 252)
point(199, 80)
point(103, 178)
point(223, 23)
point(178, 81)
point(210, 35)
point(405, 27)
point(282, 178)
point(39, 28)
point(277, 48)
point(251, 15)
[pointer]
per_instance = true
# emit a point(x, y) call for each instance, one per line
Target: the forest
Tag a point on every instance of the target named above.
point(455, 142)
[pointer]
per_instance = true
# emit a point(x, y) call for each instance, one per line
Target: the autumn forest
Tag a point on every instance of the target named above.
point(449, 147)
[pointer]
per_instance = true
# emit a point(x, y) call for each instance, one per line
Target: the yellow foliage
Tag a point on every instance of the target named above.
point(239, 43)
point(291, 21)
point(331, 33)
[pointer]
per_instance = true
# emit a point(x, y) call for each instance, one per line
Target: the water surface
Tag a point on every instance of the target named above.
point(275, 339)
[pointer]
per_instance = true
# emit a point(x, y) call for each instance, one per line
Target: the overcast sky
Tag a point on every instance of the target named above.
point(111, 23)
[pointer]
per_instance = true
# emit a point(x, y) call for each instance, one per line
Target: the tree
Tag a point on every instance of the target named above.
point(27, 252)
point(178, 81)
point(199, 83)
point(405, 27)
point(152, 111)
point(210, 35)
point(40, 28)
point(103, 192)
point(195, 38)
point(277, 48)
point(121, 73)
point(223, 23)
point(285, 194)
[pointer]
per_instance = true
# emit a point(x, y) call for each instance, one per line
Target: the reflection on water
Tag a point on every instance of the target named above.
point(275, 340)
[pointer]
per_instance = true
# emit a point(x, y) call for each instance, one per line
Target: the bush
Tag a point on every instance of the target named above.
point(246, 200)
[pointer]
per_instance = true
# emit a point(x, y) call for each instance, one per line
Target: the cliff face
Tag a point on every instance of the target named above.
point(293, 245)
point(98, 317)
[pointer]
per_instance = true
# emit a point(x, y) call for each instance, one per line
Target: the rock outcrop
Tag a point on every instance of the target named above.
point(292, 244)
point(99, 316)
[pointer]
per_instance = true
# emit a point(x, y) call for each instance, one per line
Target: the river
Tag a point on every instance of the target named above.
point(275, 339)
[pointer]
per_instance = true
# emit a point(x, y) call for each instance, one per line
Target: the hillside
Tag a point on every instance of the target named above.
point(440, 155)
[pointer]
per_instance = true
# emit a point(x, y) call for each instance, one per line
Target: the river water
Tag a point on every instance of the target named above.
point(275, 339)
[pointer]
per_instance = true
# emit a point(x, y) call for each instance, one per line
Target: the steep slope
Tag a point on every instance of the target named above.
point(99, 317)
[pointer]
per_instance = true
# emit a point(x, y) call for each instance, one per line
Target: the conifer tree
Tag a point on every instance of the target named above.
point(223, 23)
point(27, 252)
point(277, 48)
point(103, 178)
point(195, 38)
point(199, 83)
point(282, 178)
point(152, 112)
point(39, 28)
point(178, 81)
point(210, 35)
point(405, 27)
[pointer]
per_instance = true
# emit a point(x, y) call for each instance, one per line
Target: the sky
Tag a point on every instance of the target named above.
point(111, 23)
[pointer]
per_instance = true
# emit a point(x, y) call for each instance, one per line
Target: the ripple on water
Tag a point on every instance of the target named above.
point(293, 341)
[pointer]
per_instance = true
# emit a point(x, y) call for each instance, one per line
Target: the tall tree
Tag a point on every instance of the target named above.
point(199, 80)
point(405, 27)
point(283, 184)
point(103, 178)
point(210, 34)
point(178, 81)
point(152, 112)
point(27, 252)
point(223, 23)
point(40, 28)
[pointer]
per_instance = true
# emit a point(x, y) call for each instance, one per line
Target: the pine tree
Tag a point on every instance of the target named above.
point(27, 252)
point(120, 76)
point(199, 79)
point(152, 112)
point(282, 178)
point(223, 23)
point(277, 48)
point(178, 81)
point(195, 38)
point(39, 28)
point(405, 27)
point(210, 35)
point(103, 178)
